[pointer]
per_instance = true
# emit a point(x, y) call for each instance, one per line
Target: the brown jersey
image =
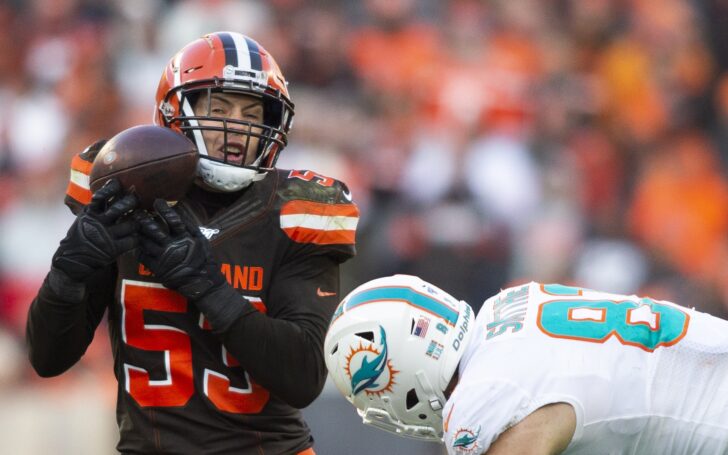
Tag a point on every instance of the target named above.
point(184, 388)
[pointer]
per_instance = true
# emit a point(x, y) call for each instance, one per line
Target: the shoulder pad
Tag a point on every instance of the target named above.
point(316, 209)
point(309, 185)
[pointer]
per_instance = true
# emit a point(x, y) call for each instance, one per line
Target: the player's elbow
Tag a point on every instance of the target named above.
point(46, 371)
point(302, 400)
point(300, 397)
point(44, 365)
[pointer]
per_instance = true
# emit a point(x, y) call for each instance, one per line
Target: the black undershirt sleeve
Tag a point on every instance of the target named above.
point(283, 350)
point(59, 329)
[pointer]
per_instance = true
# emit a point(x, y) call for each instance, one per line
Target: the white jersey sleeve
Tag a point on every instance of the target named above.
point(472, 423)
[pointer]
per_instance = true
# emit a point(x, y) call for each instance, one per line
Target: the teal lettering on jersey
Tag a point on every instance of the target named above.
point(509, 312)
point(645, 324)
point(403, 294)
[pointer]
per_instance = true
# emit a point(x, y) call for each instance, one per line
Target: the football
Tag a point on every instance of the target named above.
point(148, 160)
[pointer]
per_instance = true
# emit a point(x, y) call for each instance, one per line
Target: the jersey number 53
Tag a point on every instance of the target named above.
point(177, 387)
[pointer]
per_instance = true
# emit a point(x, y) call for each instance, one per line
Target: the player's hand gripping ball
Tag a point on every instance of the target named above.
point(149, 161)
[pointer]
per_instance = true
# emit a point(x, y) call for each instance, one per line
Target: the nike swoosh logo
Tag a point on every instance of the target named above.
point(347, 194)
point(321, 293)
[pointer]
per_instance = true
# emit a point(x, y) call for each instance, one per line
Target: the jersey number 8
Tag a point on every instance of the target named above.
point(645, 323)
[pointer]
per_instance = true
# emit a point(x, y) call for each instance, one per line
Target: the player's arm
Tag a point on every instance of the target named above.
point(60, 328)
point(284, 353)
point(70, 303)
point(546, 431)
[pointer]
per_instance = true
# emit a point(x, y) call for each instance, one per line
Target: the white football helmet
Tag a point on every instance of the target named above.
point(392, 348)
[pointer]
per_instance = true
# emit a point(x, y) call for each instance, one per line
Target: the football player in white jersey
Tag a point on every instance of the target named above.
point(543, 369)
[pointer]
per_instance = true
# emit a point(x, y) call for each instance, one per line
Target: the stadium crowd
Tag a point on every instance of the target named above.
point(560, 141)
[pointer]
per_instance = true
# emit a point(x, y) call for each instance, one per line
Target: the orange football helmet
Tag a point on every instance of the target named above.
point(226, 62)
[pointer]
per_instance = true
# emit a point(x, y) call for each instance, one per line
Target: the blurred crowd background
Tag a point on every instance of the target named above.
point(487, 143)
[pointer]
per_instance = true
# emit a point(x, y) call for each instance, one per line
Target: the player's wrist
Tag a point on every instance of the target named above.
point(222, 306)
point(198, 287)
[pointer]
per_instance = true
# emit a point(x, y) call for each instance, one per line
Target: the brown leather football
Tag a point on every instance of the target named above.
point(149, 160)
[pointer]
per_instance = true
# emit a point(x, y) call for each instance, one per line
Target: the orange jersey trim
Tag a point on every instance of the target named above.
point(319, 223)
point(446, 426)
point(299, 207)
point(74, 190)
point(81, 165)
point(81, 195)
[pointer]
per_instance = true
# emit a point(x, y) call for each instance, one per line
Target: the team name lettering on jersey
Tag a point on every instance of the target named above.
point(245, 277)
point(143, 271)
point(508, 313)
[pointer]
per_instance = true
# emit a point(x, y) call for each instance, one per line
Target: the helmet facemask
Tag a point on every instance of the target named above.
point(259, 143)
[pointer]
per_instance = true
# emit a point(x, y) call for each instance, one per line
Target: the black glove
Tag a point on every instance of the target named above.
point(99, 235)
point(179, 257)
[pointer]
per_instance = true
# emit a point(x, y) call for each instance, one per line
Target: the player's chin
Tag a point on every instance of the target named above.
point(234, 159)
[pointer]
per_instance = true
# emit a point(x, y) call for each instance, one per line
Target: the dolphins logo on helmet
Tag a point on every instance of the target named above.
point(371, 376)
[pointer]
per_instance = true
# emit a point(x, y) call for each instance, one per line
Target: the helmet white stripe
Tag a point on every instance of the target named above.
point(178, 67)
point(243, 52)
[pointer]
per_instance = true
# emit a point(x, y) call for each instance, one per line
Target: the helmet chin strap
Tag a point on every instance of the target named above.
point(435, 398)
point(224, 177)
point(218, 176)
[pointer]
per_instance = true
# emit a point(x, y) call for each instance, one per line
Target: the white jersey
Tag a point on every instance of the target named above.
point(643, 376)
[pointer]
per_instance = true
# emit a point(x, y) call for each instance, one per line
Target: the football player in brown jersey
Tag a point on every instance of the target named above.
point(218, 305)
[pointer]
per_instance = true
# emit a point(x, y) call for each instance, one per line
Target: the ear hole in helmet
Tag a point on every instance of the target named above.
point(369, 336)
point(334, 349)
point(412, 399)
point(422, 416)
